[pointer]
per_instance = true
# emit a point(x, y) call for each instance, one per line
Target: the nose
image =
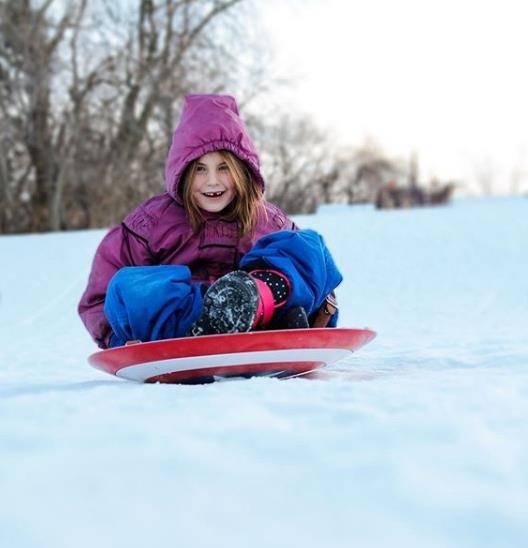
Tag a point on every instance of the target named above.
point(212, 178)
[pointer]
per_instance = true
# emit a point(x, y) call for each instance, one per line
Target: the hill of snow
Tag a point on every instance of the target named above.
point(420, 439)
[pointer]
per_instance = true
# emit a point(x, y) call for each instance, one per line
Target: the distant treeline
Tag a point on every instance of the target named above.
point(90, 92)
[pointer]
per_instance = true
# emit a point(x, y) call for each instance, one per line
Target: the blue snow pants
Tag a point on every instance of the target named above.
point(149, 303)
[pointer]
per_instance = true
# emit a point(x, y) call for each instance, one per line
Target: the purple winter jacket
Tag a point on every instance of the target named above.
point(158, 231)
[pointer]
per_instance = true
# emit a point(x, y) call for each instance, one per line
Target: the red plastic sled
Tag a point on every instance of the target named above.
point(195, 360)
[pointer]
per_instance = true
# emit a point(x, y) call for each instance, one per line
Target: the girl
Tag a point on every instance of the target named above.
point(209, 255)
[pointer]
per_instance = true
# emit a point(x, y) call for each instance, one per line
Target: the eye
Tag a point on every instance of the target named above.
point(223, 167)
point(200, 169)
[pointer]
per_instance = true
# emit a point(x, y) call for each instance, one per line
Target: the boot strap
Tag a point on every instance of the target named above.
point(266, 304)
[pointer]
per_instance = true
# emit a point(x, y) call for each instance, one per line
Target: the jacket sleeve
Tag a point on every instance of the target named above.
point(119, 248)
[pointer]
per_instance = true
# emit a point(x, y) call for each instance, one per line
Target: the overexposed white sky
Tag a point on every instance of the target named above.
point(447, 79)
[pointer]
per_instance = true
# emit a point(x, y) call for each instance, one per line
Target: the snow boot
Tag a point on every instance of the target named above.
point(241, 301)
point(295, 318)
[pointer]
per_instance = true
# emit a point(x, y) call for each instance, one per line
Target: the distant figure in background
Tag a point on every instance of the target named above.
point(391, 196)
point(442, 195)
point(388, 196)
point(416, 195)
point(210, 255)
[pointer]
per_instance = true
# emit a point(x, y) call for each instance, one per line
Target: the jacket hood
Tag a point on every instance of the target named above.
point(208, 123)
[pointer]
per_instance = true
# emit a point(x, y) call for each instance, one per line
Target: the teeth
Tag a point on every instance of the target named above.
point(214, 194)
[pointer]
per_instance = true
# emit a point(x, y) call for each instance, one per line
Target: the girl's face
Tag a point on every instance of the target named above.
point(212, 186)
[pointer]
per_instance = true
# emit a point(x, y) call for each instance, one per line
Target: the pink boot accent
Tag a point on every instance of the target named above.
point(266, 305)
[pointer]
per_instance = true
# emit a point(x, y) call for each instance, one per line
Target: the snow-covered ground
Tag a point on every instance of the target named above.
point(420, 439)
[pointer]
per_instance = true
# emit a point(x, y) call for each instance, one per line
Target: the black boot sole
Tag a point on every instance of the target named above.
point(230, 306)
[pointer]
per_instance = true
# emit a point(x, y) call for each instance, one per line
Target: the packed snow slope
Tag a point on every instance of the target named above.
point(419, 440)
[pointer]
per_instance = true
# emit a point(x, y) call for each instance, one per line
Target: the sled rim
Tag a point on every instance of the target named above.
point(271, 353)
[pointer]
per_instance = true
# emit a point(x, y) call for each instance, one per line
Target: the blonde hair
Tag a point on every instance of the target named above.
point(246, 204)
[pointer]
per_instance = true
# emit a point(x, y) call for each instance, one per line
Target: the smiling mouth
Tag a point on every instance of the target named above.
point(214, 194)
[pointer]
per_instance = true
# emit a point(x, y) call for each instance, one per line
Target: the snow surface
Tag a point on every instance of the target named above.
point(419, 439)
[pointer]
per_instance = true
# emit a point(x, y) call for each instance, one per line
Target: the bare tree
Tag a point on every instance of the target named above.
point(519, 173)
point(27, 51)
point(364, 170)
point(485, 175)
point(89, 92)
point(297, 161)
